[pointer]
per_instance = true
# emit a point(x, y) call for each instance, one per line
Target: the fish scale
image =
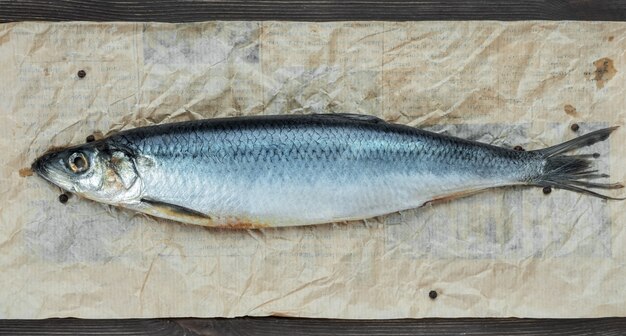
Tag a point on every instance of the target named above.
point(315, 166)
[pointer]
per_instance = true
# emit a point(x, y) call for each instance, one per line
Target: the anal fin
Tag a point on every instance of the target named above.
point(454, 195)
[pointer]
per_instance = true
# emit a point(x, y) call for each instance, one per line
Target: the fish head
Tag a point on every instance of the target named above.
point(94, 170)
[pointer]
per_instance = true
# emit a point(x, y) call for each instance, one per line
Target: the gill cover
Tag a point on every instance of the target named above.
point(124, 169)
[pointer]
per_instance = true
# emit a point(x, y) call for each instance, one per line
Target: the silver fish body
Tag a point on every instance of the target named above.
point(269, 171)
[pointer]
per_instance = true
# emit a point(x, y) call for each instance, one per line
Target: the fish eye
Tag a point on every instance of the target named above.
point(78, 162)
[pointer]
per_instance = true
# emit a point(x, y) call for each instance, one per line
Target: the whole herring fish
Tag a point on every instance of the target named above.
point(287, 170)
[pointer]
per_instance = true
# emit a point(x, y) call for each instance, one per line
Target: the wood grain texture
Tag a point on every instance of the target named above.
point(187, 11)
point(302, 10)
point(135, 327)
point(467, 327)
point(276, 326)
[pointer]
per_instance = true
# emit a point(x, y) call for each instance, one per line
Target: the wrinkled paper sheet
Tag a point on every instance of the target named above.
point(505, 252)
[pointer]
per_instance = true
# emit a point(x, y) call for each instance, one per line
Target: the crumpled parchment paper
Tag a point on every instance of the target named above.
point(505, 252)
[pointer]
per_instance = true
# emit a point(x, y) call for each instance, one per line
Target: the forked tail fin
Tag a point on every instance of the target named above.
point(573, 172)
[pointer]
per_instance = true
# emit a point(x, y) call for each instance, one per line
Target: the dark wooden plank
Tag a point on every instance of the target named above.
point(275, 326)
point(82, 327)
point(466, 326)
point(302, 10)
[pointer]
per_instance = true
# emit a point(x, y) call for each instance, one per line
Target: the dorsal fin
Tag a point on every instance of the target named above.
point(353, 116)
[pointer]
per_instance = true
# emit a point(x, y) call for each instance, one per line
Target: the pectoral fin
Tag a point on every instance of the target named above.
point(185, 215)
point(172, 211)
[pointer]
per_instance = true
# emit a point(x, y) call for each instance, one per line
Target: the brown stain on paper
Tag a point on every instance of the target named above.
point(240, 224)
point(24, 172)
point(97, 135)
point(605, 70)
point(570, 110)
point(232, 223)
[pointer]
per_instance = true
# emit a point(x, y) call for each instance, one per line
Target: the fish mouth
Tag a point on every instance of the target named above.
point(39, 167)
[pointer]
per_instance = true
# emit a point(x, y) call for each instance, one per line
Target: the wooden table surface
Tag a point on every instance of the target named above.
point(199, 10)
point(313, 10)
